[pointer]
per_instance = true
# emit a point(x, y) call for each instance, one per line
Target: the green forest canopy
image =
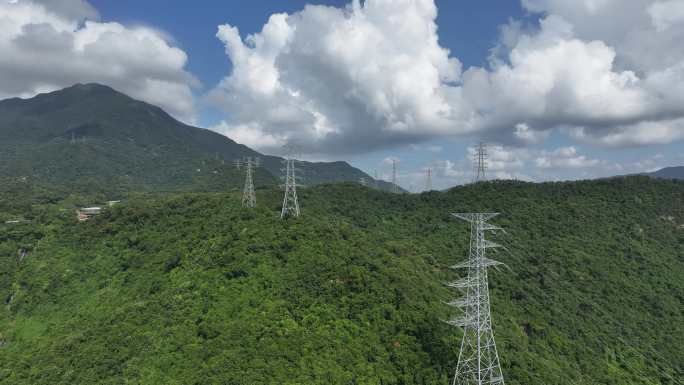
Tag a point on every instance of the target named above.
point(190, 288)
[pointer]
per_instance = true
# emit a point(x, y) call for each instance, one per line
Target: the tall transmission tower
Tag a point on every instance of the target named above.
point(478, 360)
point(290, 202)
point(395, 187)
point(248, 195)
point(480, 163)
point(428, 180)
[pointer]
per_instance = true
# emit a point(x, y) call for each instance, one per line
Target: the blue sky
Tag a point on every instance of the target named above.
point(559, 89)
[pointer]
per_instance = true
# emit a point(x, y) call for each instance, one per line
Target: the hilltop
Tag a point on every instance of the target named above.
point(92, 137)
point(192, 288)
point(668, 173)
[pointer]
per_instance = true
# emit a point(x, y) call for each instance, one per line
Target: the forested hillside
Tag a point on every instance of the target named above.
point(190, 288)
point(90, 135)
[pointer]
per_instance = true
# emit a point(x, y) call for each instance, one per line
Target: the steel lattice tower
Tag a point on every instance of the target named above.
point(290, 202)
point(478, 360)
point(248, 196)
point(395, 187)
point(428, 180)
point(480, 163)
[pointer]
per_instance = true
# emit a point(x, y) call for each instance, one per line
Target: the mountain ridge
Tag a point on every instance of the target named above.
point(674, 172)
point(121, 130)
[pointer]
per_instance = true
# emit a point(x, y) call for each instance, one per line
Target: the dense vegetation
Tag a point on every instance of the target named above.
point(90, 135)
point(190, 288)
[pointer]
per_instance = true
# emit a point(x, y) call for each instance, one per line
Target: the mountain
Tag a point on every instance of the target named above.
point(668, 173)
point(190, 288)
point(91, 135)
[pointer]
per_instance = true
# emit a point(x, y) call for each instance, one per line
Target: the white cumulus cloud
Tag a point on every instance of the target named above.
point(374, 75)
point(344, 80)
point(49, 45)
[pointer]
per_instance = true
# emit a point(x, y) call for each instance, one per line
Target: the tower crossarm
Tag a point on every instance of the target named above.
point(461, 321)
point(471, 217)
point(461, 303)
point(484, 262)
point(490, 245)
point(462, 283)
point(489, 227)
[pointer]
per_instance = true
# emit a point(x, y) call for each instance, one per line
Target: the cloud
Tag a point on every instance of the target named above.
point(501, 158)
point(642, 133)
point(527, 135)
point(527, 164)
point(343, 80)
point(646, 37)
point(373, 75)
point(390, 160)
point(446, 169)
point(530, 164)
point(565, 157)
point(70, 9)
point(54, 44)
point(251, 136)
point(426, 148)
point(666, 14)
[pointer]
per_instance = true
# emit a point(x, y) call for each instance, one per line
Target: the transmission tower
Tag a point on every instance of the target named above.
point(480, 163)
point(290, 202)
point(428, 180)
point(248, 195)
point(478, 360)
point(363, 182)
point(395, 187)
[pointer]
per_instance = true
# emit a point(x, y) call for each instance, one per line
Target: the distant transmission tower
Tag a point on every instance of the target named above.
point(395, 187)
point(290, 202)
point(248, 195)
point(478, 361)
point(428, 180)
point(363, 182)
point(480, 163)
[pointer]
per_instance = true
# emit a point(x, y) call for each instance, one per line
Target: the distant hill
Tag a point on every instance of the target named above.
point(92, 135)
point(668, 173)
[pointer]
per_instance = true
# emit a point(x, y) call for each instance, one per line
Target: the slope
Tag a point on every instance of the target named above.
point(191, 288)
point(91, 134)
point(669, 173)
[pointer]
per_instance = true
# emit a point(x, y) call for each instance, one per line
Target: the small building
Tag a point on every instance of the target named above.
point(87, 213)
